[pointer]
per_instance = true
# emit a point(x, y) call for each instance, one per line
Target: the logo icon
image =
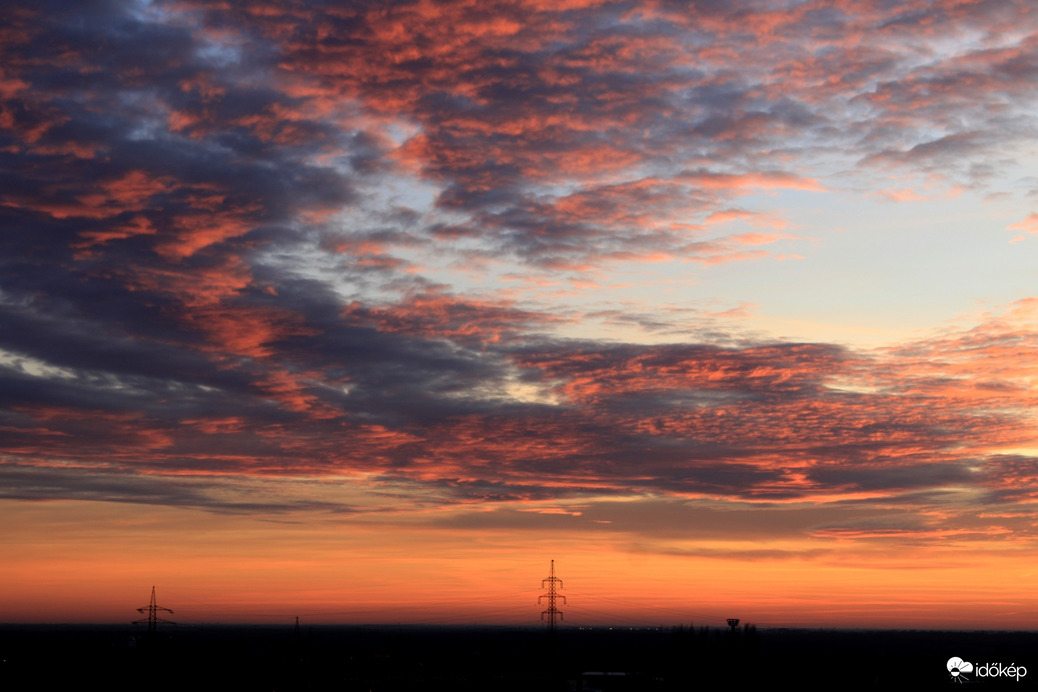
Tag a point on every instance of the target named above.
point(956, 666)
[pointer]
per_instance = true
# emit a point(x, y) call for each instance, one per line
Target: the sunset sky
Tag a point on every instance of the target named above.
point(366, 311)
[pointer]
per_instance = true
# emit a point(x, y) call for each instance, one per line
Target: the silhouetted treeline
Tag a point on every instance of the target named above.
point(493, 658)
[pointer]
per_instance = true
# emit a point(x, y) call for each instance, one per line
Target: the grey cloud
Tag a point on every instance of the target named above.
point(30, 483)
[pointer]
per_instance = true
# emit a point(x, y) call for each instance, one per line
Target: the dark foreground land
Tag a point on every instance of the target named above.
point(478, 658)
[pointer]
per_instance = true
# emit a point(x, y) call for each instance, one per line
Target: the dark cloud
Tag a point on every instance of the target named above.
point(29, 483)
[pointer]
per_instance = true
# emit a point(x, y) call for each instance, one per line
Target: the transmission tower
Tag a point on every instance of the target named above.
point(153, 620)
point(552, 583)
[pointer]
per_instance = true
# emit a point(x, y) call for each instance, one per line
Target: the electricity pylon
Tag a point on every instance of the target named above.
point(153, 615)
point(553, 583)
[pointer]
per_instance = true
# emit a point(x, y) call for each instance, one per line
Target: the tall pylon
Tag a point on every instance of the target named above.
point(553, 583)
point(153, 615)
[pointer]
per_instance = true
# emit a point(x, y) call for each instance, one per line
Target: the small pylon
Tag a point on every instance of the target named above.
point(153, 620)
point(552, 583)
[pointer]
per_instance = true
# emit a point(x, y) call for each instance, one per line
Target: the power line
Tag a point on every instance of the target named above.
point(553, 583)
point(153, 620)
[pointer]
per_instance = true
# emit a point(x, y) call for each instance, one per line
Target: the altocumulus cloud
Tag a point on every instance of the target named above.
point(221, 224)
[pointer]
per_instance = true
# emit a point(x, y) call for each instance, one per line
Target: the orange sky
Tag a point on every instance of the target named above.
point(87, 562)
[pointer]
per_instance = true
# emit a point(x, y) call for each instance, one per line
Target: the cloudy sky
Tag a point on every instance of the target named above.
point(365, 311)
